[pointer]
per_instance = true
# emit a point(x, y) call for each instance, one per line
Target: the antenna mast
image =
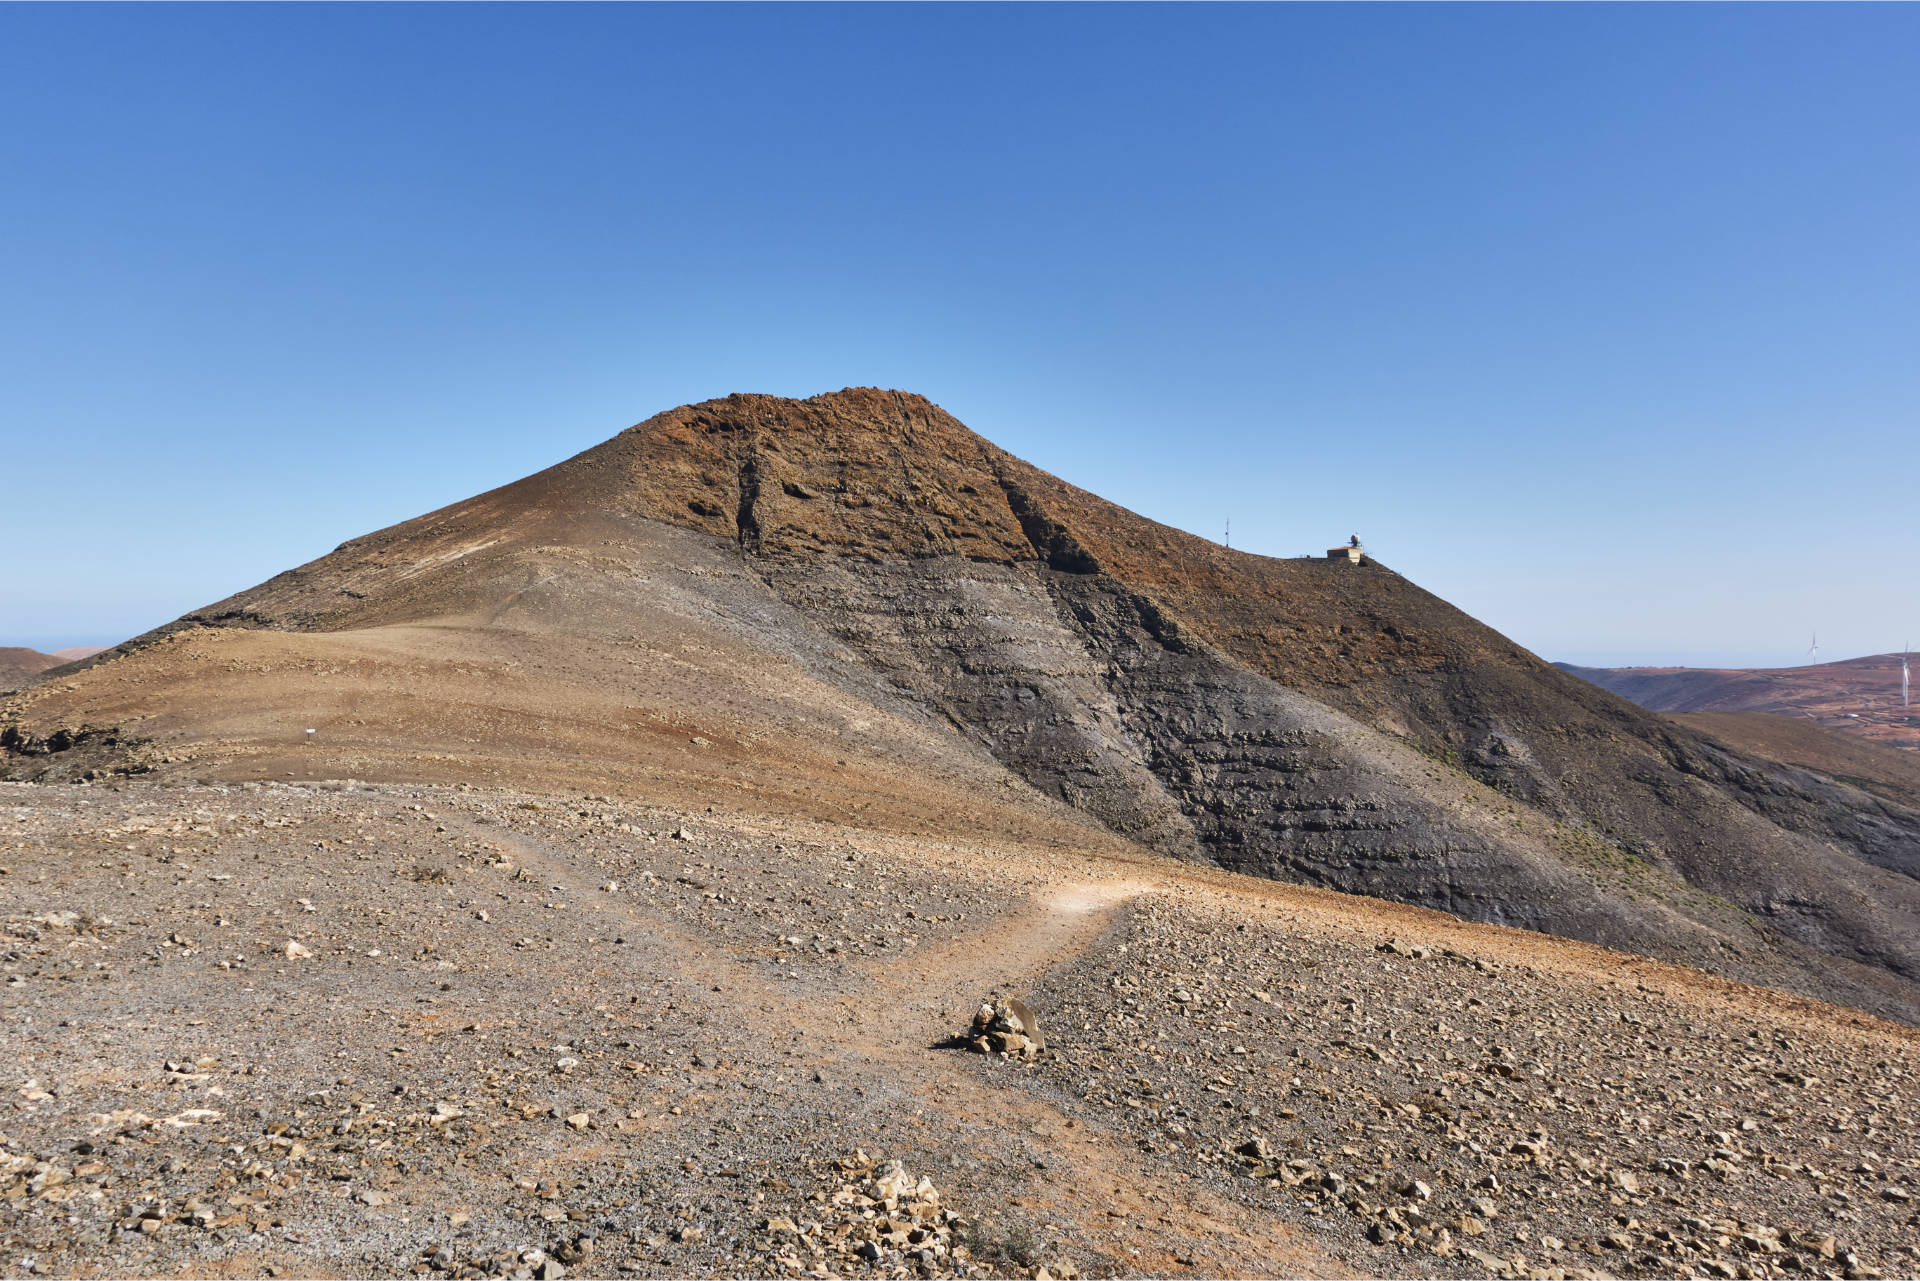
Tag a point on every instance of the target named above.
point(1229, 538)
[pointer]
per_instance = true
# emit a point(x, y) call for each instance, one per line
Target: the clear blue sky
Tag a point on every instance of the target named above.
point(1599, 321)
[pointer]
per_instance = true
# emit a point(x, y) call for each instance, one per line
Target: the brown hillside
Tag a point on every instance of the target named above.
point(18, 664)
point(1886, 772)
point(1858, 695)
point(854, 608)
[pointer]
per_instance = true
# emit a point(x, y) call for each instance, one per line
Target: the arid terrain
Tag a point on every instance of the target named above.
point(349, 1029)
point(1888, 772)
point(602, 875)
point(18, 664)
point(1858, 695)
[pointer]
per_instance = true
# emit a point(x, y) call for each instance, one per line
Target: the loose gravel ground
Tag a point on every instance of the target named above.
point(341, 1029)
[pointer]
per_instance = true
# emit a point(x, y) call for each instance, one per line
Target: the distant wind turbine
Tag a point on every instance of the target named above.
point(1813, 650)
point(1904, 682)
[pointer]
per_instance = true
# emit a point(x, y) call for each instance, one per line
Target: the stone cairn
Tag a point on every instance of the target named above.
point(1006, 1027)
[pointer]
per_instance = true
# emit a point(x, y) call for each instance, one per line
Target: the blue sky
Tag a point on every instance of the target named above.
point(1599, 321)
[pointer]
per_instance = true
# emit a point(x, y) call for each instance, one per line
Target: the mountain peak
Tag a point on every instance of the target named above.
point(863, 471)
point(873, 404)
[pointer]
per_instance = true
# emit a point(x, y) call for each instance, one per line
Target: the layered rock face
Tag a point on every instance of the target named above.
point(1313, 721)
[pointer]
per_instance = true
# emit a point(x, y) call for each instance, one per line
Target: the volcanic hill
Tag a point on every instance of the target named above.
point(605, 875)
point(852, 608)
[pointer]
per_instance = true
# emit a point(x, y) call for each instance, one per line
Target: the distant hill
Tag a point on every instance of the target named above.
point(1859, 695)
point(18, 663)
point(78, 652)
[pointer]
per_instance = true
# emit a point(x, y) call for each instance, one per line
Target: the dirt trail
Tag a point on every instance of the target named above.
point(929, 996)
point(1161, 1225)
point(1088, 1182)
